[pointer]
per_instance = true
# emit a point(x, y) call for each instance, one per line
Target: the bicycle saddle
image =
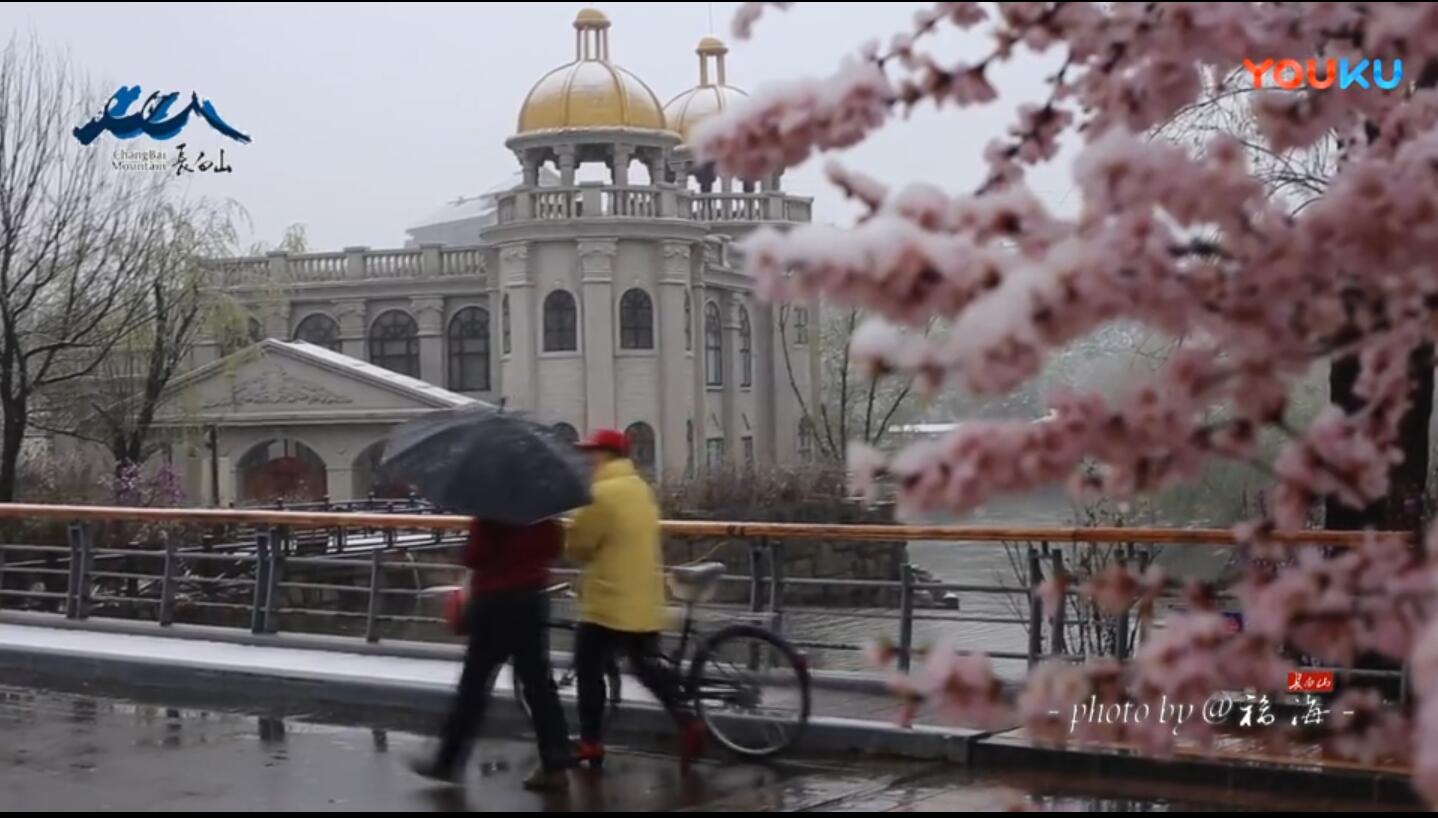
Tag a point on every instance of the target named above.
point(695, 583)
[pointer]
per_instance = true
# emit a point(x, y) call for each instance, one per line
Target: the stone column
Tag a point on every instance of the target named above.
point(429, 314)
point(351, 316)
point(621, 164)
point(566, 164)
point(596, 276)
point(676, 379)
point(354, 263)
point(729, 413)
point(769, 380)
point(521, 383)
point(529, 162)
point(277, 321)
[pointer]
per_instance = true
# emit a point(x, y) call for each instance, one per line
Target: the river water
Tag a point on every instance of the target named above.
point(974, 564)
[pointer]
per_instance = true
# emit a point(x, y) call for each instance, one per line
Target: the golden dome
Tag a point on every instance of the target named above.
point(712, 45)
point(691, 107)
point(591, 17)
point(591, 91)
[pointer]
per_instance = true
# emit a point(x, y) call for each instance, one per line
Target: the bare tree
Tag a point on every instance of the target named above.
point(117, 406)
point(1296, 178)
point(76, 237)
point(850, 406)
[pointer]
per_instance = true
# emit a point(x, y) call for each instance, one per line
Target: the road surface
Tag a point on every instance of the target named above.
point(81, 751)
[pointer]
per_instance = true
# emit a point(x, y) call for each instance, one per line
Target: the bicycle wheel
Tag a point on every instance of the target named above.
point(752, 691)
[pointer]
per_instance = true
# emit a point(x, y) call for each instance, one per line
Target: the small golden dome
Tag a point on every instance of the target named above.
point(591, 18)
point(712, 45)
point(709, 97)
point(591, 91)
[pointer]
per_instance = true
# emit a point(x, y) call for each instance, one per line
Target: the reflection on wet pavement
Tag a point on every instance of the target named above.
point(66, 751)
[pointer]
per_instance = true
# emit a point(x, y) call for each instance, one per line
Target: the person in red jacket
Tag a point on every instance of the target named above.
point(507, 619)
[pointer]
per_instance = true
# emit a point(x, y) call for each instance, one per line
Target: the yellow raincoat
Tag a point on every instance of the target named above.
point(616, 542)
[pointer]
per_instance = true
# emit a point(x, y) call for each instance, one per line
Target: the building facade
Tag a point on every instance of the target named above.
point(613, 303)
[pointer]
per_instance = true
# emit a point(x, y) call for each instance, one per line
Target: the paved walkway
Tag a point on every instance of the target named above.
point(326, 665)
point(69, 751)
point(204, 674)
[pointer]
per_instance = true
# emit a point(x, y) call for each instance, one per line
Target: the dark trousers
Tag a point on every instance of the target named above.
point(503, 627)
point(594, 650)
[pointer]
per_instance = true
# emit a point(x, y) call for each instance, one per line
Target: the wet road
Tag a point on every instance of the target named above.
point(77, 751)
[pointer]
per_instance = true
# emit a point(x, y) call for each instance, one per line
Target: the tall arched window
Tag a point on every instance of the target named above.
point(688, 322)
point(394, 343)
point(566, 433)
point(641, 445)
point(713, 346)
point(255, 330)
point(801, 326)
point(469, 350)
point(561, 322)
point(636, 320)
point(746, 349)
point(319, 329)
point(504, 324)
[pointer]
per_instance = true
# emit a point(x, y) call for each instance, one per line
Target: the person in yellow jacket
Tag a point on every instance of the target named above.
point(615, 541)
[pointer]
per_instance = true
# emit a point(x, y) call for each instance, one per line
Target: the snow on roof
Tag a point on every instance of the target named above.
point(403, 383)
point(480, 206)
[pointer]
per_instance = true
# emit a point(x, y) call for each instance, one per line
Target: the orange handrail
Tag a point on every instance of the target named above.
point(1217, 537)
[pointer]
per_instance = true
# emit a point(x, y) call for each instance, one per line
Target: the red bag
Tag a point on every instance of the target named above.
point(455, 603)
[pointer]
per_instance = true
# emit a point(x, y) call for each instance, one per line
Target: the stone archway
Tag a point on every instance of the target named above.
point(282, 469)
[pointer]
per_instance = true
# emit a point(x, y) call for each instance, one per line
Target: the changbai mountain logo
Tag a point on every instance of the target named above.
point(153, 118)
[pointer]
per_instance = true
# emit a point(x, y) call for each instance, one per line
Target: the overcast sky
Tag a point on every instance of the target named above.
point(367, 117)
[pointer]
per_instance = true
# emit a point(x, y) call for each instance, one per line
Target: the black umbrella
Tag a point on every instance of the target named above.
point(481, 461)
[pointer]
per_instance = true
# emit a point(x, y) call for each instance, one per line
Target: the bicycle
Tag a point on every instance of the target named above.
point(749, 686)
point(613, 680)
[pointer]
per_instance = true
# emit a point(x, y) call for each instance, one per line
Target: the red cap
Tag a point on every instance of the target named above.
point(609, 440)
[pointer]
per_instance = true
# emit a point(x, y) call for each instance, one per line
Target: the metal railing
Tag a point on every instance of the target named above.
point(369, 563)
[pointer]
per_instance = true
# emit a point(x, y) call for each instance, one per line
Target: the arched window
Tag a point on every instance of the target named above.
point(561, 322)
point(636, 320)
point(641, 445)
point(256, 330)
point(746, 349)
point(394, 343)
point(801, 326)
point(566, 433)
point(319, 329)
point(281, 469)
point(469, 350)
point(713, 346)
point(504, 325)
point(688, 323)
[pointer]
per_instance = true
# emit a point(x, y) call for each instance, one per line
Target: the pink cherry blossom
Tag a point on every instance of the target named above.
point(748, 14)
point(1185, 241)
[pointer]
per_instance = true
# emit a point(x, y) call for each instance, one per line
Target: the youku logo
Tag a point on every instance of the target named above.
point(1290, 74)
point(153, 118)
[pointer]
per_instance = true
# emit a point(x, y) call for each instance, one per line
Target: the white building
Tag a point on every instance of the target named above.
point(614, 303)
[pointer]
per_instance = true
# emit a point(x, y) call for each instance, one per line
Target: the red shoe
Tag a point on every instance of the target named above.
point(591, 753)
point(692, 736)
